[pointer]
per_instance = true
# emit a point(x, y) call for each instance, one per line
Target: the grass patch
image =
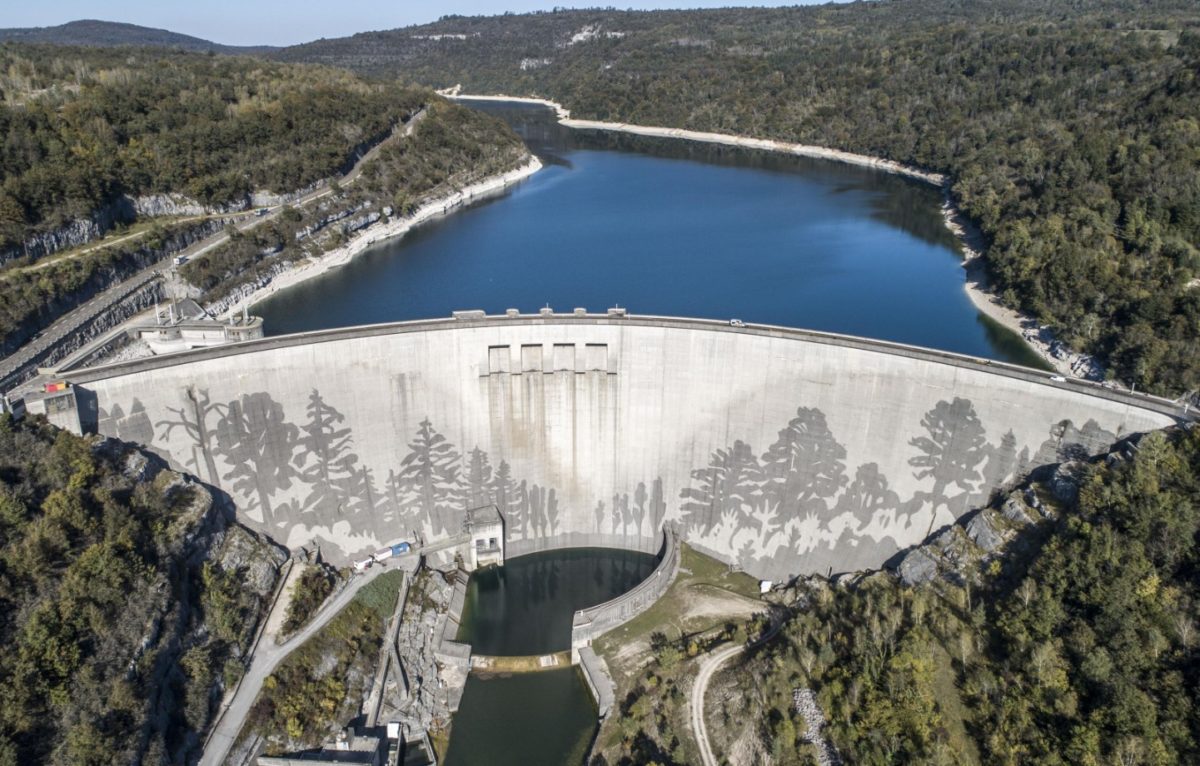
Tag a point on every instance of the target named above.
point(380, 594)
point(690, 606)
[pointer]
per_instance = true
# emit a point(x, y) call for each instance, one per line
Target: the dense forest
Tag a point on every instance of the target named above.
point(450, 147)
point(81, 128)
point(1078, 645)
point(126, 602)
point(1069, 129)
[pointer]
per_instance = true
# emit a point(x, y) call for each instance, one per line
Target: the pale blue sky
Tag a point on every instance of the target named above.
point(284, 22)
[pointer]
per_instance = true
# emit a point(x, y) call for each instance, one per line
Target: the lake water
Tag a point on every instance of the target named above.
point(525, 608)
point(675, 228)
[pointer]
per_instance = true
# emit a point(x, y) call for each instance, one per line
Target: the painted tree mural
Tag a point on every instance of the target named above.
point(867, 495)
point(395, 494)
point(429, 478)
point(192, 418)
point(782, 509)
point(330, 468)
point(364, 495)
point(658, 506)
point(503, 491)
point(520, 515)
point(619, 516)
point(478, 479)
point(727, 490)
point(953, 446)
point(254, 437)
point(805, 466)
point(134, 427)
point(552, 513)
point(537, 511)
point(1001, 461)
point(639, 507)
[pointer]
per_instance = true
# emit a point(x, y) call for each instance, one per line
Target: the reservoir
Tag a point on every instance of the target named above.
point(676, 228)
point(525, 608)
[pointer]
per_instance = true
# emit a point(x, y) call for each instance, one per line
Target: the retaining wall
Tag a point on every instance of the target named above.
point(591, 623)
point(781, 450)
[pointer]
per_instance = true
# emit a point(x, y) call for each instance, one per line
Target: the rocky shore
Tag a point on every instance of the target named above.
point(254, 293)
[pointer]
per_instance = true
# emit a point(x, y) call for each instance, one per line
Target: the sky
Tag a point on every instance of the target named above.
point(286, 22)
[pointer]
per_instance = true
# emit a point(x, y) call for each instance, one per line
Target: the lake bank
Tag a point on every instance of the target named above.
point(1039, 339)
point(375, 234)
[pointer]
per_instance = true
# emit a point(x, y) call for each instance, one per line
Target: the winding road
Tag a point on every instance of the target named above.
point(708, 667)
point(266, 654)
point(266, 657)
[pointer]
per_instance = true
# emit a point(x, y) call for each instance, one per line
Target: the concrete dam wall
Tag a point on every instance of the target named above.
point(783, 450)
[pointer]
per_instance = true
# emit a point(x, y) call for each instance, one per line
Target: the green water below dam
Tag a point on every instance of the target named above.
point(524, 608)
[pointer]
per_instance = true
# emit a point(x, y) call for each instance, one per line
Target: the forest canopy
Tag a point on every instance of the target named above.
point(81, 127)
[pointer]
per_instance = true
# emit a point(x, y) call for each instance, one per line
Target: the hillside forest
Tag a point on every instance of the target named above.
point(1077, 644)
point(80, 128)
point(83, 129)
point(127, 602)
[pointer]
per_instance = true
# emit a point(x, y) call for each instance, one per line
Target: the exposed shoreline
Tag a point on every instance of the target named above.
point(379, 232)
point(1038, 338)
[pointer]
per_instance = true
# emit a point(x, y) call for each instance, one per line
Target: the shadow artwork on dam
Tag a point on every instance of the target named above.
point(796, 506)
point(265, 454)
point(796, 503)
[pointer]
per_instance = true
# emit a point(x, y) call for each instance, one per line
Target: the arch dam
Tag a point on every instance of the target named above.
point(784, 451)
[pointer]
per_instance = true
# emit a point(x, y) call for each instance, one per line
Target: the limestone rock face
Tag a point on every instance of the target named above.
point(170, 204)
point(1064, 482)
point(982, 531)
point(244, 551)
point(917, 567)
point(1016, 510)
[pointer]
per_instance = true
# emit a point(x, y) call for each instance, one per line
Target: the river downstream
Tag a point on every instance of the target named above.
point(525, 608)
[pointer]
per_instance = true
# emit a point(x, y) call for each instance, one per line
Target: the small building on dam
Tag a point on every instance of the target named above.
point(783, 451)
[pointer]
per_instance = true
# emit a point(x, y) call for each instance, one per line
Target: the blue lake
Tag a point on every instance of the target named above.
point(673, 228)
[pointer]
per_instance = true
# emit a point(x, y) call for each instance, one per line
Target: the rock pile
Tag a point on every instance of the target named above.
point(805, 702)
point(428, 703)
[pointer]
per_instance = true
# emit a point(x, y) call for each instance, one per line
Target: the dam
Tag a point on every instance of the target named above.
point(781, 451)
